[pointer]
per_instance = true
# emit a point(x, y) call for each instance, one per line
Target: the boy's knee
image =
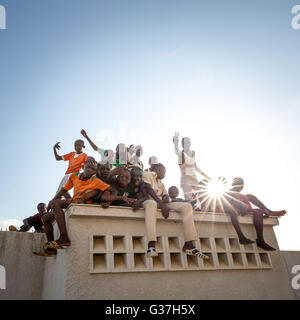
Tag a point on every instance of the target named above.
point(45, 219)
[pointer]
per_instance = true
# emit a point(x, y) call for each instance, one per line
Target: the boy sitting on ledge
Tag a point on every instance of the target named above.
point(157, 191)
point(235, 203)
point(86, 186)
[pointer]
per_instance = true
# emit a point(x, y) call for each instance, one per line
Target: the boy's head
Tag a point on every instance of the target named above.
point(131, 149)
point(186, 143)
point(237, 184)
point(109, 154)
point(136, 175)
point(79, 145)
point(103, 170)
point(41, 207)
point(152, 160)
point(121, 151)
point(160, 170)
point(138, 151)
point(89, 169)
point(173, 192)
point(124, 178)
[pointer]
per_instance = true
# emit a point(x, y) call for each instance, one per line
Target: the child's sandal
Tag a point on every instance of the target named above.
point(151, 252)
point(55, 245)
point(196, 253)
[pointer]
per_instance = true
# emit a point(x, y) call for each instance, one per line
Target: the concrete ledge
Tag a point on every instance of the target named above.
point(127, 213)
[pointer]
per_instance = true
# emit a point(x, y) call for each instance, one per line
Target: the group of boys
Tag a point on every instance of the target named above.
point(119, 180)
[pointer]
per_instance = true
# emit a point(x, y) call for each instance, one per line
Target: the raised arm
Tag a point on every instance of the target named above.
point(56, 155)
point(176, 141)
point(83, 132)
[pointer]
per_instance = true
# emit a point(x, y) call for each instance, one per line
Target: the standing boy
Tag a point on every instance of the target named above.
point(76, 160)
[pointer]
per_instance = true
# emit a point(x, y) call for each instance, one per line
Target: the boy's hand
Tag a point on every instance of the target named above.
point(81, 200)
point(165, 210)
point(105, 205)
point(128, 200)
point(57, 146)
point(166, 199)
point(83, 133)
point(136, 205)
point(176, 138)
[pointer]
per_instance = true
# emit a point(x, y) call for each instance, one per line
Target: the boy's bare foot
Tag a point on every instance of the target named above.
point(277, 213)
point(264, 246)
point(245, 241)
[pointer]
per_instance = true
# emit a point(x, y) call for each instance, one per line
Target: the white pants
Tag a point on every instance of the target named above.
point(184, 208)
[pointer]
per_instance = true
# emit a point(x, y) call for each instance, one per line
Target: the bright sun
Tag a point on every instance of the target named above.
point(216, 188)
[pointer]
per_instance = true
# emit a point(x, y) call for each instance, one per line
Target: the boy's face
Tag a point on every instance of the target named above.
point(124, 178)
point(138, 152)
point(237, 185)
point(121, 149)
point(104, 170)
point(186, 143)
point(173, 192)
point(160, 171)
point(137, 177)
point(41, 208)
point(89, 170)
point(78, 145)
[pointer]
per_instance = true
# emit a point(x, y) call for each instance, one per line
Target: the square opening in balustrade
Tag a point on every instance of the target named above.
point(159, 245)
point(158, 262)
point(265, 260)
point(99, 262)
point(251, 260)
point(192, 262)
point(223, 260)
point(119, 243)
point(138, 244)
point(205, 244)
point(175, 260)
point(99, 243)
point(237, 259)
point(208, 263)
point(140, 261)
point(120, 261)
point(220, 244)
point(174, 245)
point(249, 247)
point(234, 244)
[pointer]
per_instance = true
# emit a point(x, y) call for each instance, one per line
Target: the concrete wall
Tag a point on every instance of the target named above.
point(107, 259)
point(24, 271)
point(291, 259)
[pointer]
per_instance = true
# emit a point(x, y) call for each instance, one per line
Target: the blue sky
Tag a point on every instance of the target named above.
point(225, 73)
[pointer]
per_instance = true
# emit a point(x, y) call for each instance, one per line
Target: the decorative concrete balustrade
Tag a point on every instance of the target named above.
point(107, 259)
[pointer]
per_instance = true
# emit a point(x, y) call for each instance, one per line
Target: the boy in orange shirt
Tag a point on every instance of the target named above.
point(86, 186)
point(76, 162)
